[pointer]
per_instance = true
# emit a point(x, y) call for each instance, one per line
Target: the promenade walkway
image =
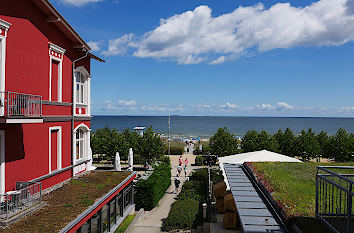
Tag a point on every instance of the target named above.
point(152, 220)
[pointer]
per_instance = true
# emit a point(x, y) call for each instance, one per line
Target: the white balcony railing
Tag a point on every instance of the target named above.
point(16, 104)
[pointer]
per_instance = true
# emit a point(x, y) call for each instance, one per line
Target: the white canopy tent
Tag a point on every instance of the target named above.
point(256, 156)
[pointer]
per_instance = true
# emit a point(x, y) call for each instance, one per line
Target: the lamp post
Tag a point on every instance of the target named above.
point(169, 135)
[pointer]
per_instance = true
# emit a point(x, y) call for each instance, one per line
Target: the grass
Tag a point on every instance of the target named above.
point(67, 202)
point(125, 224)
point(292, 185)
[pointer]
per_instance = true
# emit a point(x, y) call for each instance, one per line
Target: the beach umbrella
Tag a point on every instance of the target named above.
point(117, 166)
point(130, 159)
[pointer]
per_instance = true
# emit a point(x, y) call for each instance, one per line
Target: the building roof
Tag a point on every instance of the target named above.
point(76, 198)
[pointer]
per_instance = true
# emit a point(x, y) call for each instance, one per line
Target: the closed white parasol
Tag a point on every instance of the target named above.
point(130, 159)
point(117, 166)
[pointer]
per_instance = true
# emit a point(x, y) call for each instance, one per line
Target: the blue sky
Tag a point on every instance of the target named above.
point(220, 57)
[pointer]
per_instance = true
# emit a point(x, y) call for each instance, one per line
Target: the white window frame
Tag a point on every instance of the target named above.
point(86, 91)
point(59, 148)
point(52, 50)
point(4, 26)
point(82, 88)
point(86, 142)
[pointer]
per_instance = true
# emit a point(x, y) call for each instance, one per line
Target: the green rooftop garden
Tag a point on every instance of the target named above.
point(67, 202)
point(292, 185)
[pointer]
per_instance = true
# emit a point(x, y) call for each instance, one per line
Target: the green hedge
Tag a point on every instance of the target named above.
point(151, 190)
point(186, 212)
point(182, 215)
point(199, 160)
point(194, 190)
point(175, 150)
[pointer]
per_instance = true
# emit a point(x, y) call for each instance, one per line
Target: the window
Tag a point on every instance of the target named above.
point(56, 55)
point(80, 88)
point(80, 144)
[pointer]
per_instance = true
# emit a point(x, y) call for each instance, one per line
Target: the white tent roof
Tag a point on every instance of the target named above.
point(256, 156)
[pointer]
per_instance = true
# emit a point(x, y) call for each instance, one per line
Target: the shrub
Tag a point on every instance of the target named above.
point(165, 159)
point(182, 215)
point(151, 190)
point(199, 160)
point(175, 150)
point(194, 190)
point(201, 175)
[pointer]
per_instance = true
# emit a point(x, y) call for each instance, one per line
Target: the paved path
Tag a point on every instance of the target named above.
point(152, 220)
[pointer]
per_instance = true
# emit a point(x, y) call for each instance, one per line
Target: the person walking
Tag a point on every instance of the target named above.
point(177, 182)
point(180, 161)
point(185, 170)
point(179, 170)
point(186, 161)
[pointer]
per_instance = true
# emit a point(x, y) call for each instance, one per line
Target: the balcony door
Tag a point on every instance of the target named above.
point(2, 161)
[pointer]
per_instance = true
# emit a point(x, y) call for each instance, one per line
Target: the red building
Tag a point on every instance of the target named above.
point(44, 96)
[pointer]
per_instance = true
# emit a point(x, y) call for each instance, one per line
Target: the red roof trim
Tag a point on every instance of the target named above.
point(49, 10)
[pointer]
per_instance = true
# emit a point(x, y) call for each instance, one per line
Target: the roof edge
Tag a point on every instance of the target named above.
point(62, 21)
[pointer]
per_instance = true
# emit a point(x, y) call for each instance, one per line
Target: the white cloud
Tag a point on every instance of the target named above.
point(163, 108)
point(265, 107)
point(127, 102)
point(79, 2)
point(217, 61)
point(195, 36)
point(279, 109)
point(95, 45)
point(282, 105)
point(120, 105)
point(347, 109)
point(119, 46)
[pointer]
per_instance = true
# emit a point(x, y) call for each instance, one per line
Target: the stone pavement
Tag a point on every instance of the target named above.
point(152, 220)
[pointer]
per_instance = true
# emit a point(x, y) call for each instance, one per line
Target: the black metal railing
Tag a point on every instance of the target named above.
point(334, 197)
point(21, 105)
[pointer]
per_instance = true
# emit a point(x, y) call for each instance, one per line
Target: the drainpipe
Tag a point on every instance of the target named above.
point(73, 113)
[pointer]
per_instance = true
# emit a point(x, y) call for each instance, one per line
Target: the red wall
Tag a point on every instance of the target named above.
point(27, 71)
point(56, 110)
point(27, 152)
point(27, 50)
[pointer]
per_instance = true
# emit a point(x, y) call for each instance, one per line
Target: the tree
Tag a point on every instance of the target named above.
point(102, 143)
point(323, 141)
point(151, 145)
point(341, 146)
point(223, 143)
point(308, 147)
point(132, 138)
point(266, 142)
point(250, 141)
point(120, 143)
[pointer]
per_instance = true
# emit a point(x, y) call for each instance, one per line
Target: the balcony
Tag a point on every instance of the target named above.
point(19, 105)
point(13, 203)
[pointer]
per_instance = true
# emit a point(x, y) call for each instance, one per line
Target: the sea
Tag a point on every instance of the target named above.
point(206, 126)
